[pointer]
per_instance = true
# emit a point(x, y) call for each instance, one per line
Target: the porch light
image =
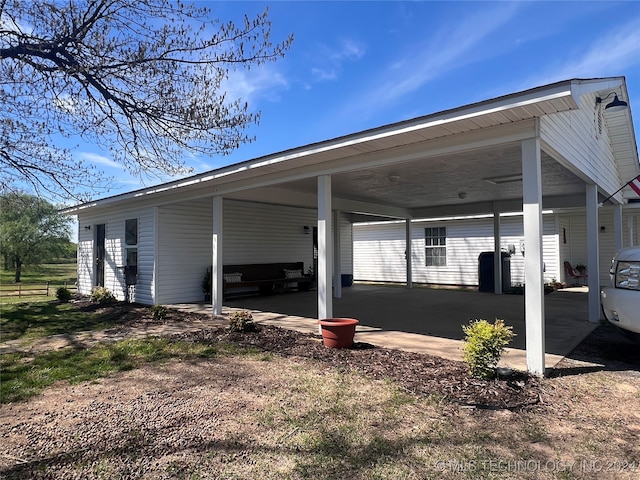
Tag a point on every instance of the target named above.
point(616, 105)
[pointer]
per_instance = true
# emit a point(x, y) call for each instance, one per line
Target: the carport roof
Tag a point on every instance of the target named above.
point(292, 172)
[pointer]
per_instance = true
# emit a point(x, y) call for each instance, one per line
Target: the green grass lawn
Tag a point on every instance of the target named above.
point(23, 376)
point(31, 320)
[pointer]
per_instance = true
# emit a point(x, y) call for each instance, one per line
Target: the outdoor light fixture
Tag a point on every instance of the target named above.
point(87, 227)
point(616, 104)
point(306, 230)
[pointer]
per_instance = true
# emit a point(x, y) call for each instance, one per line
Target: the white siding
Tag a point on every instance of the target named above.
point(575, 136)
point(260, 233)
point(631, 225)
point(574, 250)
point(115, 254)
point(630, 236)
point(253, 233)
point(607, 243)
point(346, 245)
point(86, 256)
point(379, 250)
point(184, 250)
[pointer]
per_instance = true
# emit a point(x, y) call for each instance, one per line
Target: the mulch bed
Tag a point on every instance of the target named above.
point(416, 373)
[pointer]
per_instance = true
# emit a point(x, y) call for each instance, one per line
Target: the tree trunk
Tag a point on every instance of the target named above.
point(18, 273)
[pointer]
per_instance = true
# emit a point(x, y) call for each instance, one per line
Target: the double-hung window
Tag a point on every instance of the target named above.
point(436, 246)
point(131, 250)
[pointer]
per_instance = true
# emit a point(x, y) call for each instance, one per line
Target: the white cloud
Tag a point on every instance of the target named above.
point(348, 50)
point(447, 49)
point(99, 159)
point(611, 55)
point(330, 61)
point(320, 74)
point(451, 47)
point(264, 81)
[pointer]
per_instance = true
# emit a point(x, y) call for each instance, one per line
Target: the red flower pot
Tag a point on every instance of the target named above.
point(338, 332)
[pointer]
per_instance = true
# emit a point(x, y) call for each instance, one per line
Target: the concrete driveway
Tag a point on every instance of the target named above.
point(429, 320)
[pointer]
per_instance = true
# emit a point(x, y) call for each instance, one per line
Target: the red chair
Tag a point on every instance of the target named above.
point(577, 277)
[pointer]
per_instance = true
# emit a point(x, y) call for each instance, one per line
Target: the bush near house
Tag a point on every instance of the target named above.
point(484, 344)
point(102, 295)
point(242, 322)
point(63, 294)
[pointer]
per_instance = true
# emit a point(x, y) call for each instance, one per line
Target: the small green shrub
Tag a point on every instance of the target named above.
point(102, 295)
point(484, 344)
point(159, 312)
point(63, 294)
point(242, 322)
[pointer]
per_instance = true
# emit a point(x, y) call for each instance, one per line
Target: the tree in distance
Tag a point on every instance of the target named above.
point(144, 79)
point(31, 232)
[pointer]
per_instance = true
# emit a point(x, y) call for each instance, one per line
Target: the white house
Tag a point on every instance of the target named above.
point(554, 147)
point(464, 240)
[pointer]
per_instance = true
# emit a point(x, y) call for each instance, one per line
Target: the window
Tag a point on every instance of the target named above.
point(436, 246)
point(131, 231)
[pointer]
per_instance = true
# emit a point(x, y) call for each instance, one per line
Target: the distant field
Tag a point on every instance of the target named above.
point(57, 274)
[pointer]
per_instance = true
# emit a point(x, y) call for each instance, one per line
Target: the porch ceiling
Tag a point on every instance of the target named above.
point(455, 180)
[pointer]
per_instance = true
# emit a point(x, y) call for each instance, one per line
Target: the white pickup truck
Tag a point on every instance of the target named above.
point(621, 301)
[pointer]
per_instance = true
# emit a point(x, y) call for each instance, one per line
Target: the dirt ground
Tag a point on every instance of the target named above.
point(223, 417)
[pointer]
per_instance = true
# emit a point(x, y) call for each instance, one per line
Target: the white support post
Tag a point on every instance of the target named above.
point(325, 254)
point(407, 252)
point(617, 226)
point(497, 253)
point(217, 290)
point(593, 255)
point(533, 263)
point(337, 267)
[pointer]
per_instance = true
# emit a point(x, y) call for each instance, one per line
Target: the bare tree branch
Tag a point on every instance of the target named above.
point(143, 78)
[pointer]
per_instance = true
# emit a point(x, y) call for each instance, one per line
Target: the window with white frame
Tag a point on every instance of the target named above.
point(436, 246)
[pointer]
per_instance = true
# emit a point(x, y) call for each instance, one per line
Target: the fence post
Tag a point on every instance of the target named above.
point(19, 289)
point(47, 289)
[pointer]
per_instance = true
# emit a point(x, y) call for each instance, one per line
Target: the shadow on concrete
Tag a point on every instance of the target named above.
point(437, 312)
point(605, 349)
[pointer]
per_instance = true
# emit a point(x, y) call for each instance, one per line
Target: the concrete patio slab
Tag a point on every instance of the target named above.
point(426, 320)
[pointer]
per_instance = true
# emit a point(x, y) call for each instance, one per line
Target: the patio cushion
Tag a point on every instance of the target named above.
point(235, 277)
point(292, 273)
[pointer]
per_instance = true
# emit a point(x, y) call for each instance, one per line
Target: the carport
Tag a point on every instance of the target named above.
point(555, 146)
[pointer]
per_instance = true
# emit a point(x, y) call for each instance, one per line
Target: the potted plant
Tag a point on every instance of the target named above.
point(581, 268)
point(338, 332)
point(206, 285)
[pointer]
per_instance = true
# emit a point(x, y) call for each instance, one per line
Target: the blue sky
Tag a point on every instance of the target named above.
point(359, 65)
